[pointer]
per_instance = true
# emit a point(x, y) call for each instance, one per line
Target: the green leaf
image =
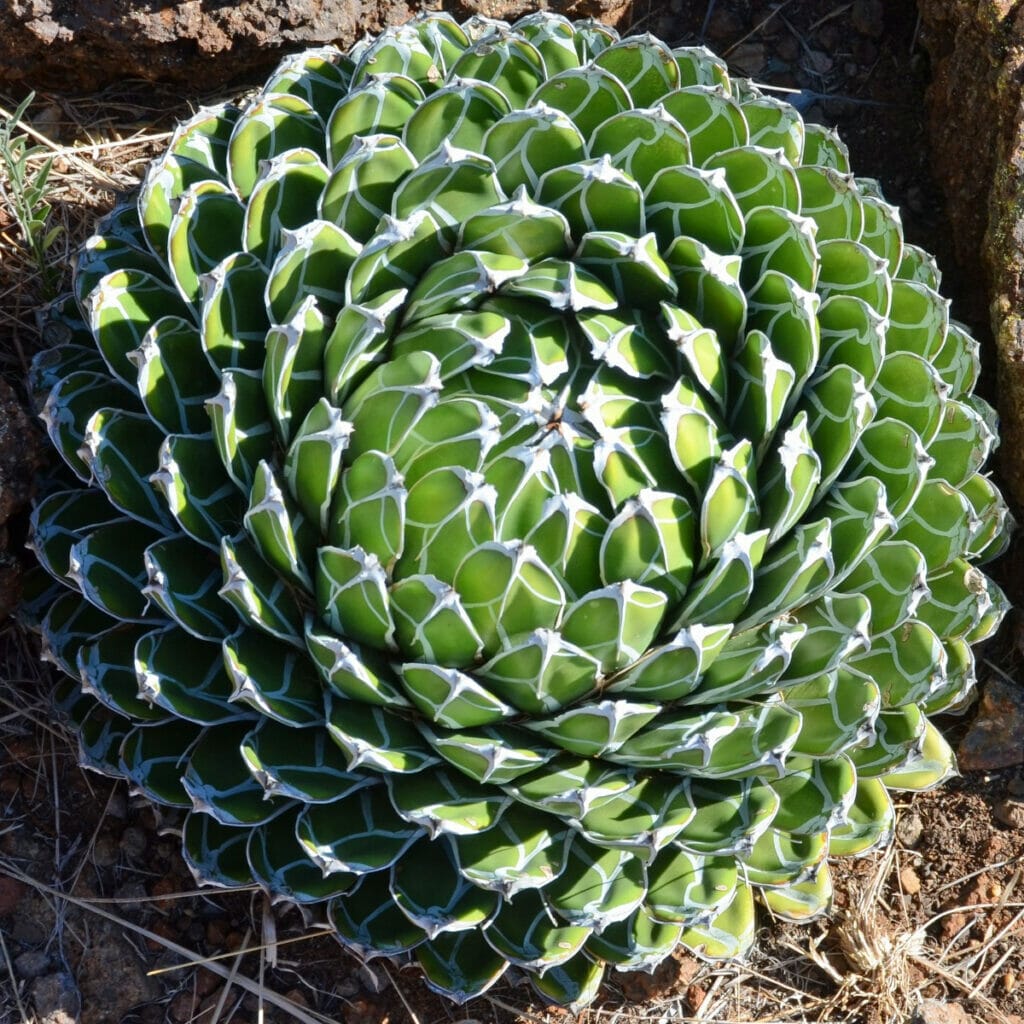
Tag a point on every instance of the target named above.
point(274, 678)
point(272, 126)
point(279, 862)
point(713, 120)
point(312, 771)
point(588, 96)
point(358, 834)
point(223, 787)
point(459, 965)
point(525, 935)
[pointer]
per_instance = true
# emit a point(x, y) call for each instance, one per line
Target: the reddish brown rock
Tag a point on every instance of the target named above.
point(935, 1011)
point(996, 736)
point(977, 124)
point(81, 45)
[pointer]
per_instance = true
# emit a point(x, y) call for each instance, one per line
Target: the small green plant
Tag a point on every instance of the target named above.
point(24, 190)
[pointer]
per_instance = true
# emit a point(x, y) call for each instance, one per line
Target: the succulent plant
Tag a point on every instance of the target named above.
point(523, 488)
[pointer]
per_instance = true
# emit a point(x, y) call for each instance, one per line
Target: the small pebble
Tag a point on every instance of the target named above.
point(346, 987)
point(105, 852)
point(298, 997)
point(27, 931)
point(910, 882)
point(56, 999)
point(787, 49)
point(208, 1005)
point(724, 26)
point(915, 199)
point(183, 1006)
point(206, 981)
point(216, 932)
point(820, 62)
point(695, 996)
point(828, 37)
point(31, 965)
point(132, 892)
point(133, 842)
point(748, 59)
point(373, 981)
point(868, 17)
point(996, 737)
point(1010, 812)
point(909, 829)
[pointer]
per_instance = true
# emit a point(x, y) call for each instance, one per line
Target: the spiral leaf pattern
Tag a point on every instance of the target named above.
point(522, 496)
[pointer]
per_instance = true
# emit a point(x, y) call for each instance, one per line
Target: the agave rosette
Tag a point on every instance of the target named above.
point(525, 489)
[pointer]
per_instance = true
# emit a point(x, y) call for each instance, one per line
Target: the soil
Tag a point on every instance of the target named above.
point(93, 892)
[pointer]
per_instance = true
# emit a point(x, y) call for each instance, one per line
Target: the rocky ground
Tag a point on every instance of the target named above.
point(100, 921)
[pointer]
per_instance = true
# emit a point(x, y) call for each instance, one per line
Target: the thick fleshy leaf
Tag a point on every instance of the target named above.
point(525, 850)
point(274, 125)
point(689, 889)
point(184, 578)
point(257, 593)
point(312, 772)
point(444, 802)
point(106, 673)
point(279, 862)
point(274, 678)
point(588, 96)
point(204, 500)
point(525, 143)
point(368, 921)
point(107, 566)
point(598, 887)
point(293, 382)
point(215, 851)
point(223, 787)
point(459, 965)
point(359, 834)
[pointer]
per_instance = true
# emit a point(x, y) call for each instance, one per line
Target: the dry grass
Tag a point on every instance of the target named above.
point(872, 962)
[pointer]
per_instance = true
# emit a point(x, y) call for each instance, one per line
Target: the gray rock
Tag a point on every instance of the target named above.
point(909, 829)
point(56, 999)
point(31, 965)
point(133, 842)
point(28, 932)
